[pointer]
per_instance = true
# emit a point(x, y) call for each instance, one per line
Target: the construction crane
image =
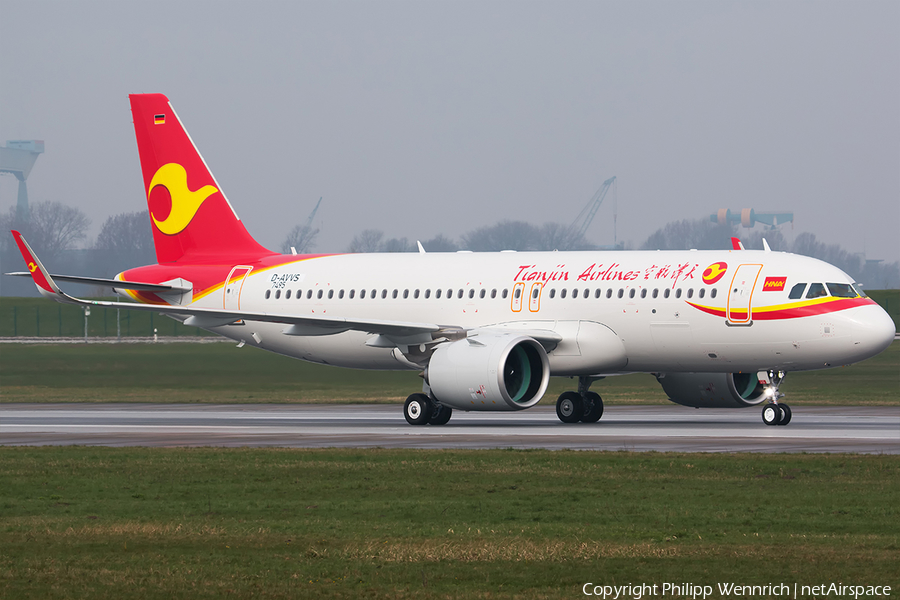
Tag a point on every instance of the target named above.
point(583, 220)
point(312, 215)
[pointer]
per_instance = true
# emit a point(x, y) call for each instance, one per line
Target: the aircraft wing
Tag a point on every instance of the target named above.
point(113, 283)
point(210, 317)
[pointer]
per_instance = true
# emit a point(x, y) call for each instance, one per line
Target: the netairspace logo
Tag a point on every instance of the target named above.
point(727, 590)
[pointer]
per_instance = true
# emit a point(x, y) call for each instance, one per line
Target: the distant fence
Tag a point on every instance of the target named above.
point(40, 317)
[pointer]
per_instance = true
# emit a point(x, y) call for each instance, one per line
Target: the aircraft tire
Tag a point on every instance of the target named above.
point(593, 408)
point(418, 409)
point(569, 407)
point(785, 414)
point(440, 415)
point(771, 414)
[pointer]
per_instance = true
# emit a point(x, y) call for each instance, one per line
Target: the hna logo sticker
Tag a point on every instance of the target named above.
point(185, 203)
point(774, 284)
point(714, 272)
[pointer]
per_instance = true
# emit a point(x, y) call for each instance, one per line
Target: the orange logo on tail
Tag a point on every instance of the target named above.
point(185, 203)
point(714, 272)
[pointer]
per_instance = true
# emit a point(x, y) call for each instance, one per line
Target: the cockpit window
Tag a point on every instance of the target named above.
point(816, 290)
point(859, 290)
point(841, 290)
point(797, 291)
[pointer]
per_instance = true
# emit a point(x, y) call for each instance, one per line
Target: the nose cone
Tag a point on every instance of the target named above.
point(873, 330)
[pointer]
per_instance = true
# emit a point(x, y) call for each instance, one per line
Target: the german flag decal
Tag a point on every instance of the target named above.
point(159, 119)
point(774, 284)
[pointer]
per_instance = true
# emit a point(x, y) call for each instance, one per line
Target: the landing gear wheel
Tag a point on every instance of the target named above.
point(569, 407)
point(593, 408)
point(771, 414)
point(440, 415)
point(418, 409)
point(785, 414)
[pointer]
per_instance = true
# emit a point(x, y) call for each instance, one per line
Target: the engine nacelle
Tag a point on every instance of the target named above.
point(713, 390)
point(489, 372)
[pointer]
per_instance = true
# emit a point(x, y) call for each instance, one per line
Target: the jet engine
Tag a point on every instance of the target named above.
point(713, 390)
point(489, 372)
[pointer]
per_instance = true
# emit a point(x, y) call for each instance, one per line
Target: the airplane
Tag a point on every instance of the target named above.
point(486, 331)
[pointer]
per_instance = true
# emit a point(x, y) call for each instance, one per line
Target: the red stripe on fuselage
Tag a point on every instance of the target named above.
point(761, 314)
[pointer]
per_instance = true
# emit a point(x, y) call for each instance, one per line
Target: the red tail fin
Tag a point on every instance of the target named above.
point(191, 218)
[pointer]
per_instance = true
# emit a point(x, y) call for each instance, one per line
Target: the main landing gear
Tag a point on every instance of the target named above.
point(420, 409)
point(774, 412)
point(583, 405)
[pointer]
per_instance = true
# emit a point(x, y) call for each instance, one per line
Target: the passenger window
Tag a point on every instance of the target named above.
point(535, 292)
point(482, 293)
point(505, 294)
point(678, 293)
point(621, 293)
point(427, 293)
point(575, 293)
point(586, 293)
point(341, 294)
point(655, 293)
point(383, 294)
point(287, 295)
point(797, 291)
point(666, 292)
point(609, 293)
point(362, 294)
point(712, 294)
point(644, 293)
point(841, 290)
point(816, 290)
point(268, 293)
point(562, 293)
point(416, 294)
point(631, 293)
point(494, 293)
point(277, 294)
point(394, 295)
point(518, 293)
point(319, 294)
point(471, 293)
point(702, 292)
point(308, 294)
point(597, 293)
point(553, 293)
point(460, 293)
point(437, 293)
point(405, 294)
point(330, 294)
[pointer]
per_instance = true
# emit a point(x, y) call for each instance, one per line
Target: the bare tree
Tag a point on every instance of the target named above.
point(52, 227)
point(440, 243)
point(129, 236)
point(701, 234)
point(368, 240)
point(397, 245)
point(302, 238)
point(505, 235)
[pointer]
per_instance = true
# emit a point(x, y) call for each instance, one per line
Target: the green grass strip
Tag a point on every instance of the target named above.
point(210, 523)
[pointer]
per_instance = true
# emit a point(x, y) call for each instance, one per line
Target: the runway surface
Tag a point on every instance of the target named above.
point(642, 428)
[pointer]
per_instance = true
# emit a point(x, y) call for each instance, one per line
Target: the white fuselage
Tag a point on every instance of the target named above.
point(645, 301)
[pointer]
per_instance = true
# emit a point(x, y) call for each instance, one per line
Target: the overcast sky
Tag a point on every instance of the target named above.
point(420, 118)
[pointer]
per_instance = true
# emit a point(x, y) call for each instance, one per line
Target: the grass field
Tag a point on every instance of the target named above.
point(224, 373)
point(213, 523)
point(34, 317)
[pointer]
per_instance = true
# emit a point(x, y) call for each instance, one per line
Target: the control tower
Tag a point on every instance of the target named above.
point(18, 158)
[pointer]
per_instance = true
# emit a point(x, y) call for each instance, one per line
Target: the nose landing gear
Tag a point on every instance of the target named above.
point(774, 412)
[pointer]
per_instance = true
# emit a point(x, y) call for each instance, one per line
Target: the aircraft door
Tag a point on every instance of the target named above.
point(740, 294)
point(534, 298)
point(231, 297)
point(518, 292)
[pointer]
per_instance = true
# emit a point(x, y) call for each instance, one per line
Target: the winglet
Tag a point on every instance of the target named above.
point(736, 244)
point(45, 284)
